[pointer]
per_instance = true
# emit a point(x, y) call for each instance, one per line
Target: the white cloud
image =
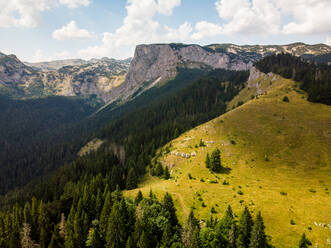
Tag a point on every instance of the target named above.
point(328, 40)
point(139, 27)
point(245, 17)
point(206, 29)
point(71, 32)
point(75, 3)
point(310, 16)
point(39, 56)
point(27, 13)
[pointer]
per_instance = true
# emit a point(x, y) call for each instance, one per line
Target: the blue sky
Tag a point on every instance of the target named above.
point(37, 30)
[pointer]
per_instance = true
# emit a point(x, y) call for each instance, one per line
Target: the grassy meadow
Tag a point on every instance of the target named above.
point(277, 159)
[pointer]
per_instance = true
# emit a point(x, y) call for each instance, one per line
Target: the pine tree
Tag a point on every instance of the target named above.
point(207, 161)
point(105, 214)
point(233, 236)
point(190, 229)
point(166, 240)
point(170, 210)
point(159, 170)
point(304, 242)
point(118, 226)
point(166, 174)
point(129, 243)
point(93, 237)
point(56, 241)
point(226, 222)
point(245, 228)
point(131, 181)
point(143, 241)
point(139, 197)
point(215, 161)
point(70, 243)
point(258, 237)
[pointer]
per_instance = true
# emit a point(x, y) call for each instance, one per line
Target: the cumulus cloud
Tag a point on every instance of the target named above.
point(27, 13)
point(328, 40)
point(139, 27)
point(72, 32)
point(40, 56)
point(263, 17)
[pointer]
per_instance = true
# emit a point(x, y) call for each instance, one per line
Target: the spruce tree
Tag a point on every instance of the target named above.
point(129, 243)
point(118, 226)
point(166, 174)
point(158, 170)
point(105, 214)
point(207, 161)
point(233, 236)
point(258, 237)
point(245, 228)
point(215, 161)
point(304, 241)
point(131, 181)
point(170, 210)
point(139, 197)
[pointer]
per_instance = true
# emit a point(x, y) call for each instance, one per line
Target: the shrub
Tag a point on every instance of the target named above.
point(212, 210)
point(190, 176)
point(225, 182)
point(201, 143)
point(240, 192)
point(203, 205)
point(312, 190)
point(283, 193)
point(292, 222)
point(285, 99)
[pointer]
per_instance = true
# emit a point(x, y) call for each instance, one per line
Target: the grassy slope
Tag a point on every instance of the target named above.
point(296, 139)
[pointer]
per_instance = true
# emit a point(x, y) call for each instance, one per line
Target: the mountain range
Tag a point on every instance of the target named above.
point(111, 80)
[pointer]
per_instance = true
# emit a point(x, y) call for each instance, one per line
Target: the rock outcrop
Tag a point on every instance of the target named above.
point(160, 62)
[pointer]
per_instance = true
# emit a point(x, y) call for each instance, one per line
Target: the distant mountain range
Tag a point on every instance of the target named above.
point(110, 80)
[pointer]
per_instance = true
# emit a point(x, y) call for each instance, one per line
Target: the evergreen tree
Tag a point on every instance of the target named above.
point(215, 161)
point(226, 222)
point(304, 241)
point(170, 210)
point(143, 241)
point(233, 236)
point(69, 242)
point(118, 226)
point(166, 174)
point(129, 243)
point(245, 228)
point(158, 170)
point(105, 215)
point(139, 197)
point(207, 161)
point(258, 237)
point(93, 237)
point(56, 241)
point(131, 181)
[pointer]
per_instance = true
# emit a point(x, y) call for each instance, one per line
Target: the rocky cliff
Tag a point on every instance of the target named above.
point(157, 63)
point(95, 77)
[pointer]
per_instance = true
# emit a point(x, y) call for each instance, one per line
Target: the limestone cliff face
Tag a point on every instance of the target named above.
point(159, 62)
point(95, 77)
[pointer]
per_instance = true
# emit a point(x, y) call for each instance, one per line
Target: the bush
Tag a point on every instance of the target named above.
point(240, 192)
point(189, 176)
point(283, 193)
point(225, 182)
point(285, 99)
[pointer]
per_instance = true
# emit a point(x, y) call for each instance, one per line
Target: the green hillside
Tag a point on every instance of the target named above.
point(277, 159)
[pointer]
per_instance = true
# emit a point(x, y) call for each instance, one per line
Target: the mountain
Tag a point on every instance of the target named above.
point(92, 78)
point(275, 157)
point(56, 64)
point(296, 49)
point(155, 64)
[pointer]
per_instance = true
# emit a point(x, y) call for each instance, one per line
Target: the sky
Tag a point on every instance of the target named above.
point(43, 30)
